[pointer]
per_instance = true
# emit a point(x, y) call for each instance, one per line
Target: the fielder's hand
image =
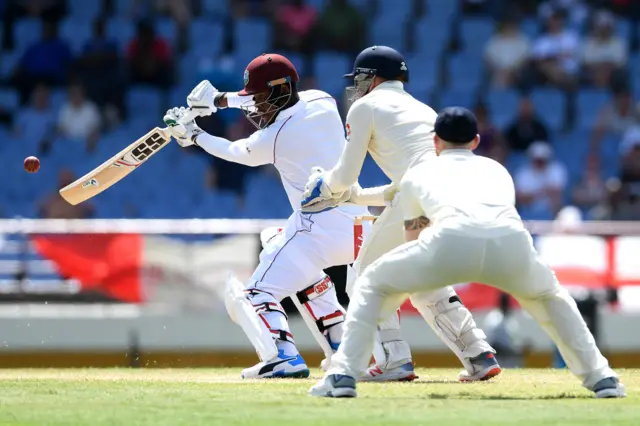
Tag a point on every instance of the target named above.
point(201, 98)
point(182, 131)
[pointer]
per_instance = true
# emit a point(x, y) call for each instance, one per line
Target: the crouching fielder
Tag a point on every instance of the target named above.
point(475, 234)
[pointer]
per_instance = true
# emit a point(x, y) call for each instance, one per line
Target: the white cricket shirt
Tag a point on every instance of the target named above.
point(308, 134)
point(462, 186)
point(393, 126)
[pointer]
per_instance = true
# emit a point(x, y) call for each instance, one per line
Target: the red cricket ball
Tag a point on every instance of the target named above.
point(31, 164)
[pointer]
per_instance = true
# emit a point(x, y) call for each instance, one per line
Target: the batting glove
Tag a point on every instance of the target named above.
point(201, 98)
point(184, 131)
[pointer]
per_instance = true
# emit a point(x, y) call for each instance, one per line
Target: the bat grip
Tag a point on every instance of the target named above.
point(189, 116)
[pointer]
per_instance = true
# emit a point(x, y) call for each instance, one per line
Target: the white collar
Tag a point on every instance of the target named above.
point(390, 84)
point(457, 151)
point(284, 114)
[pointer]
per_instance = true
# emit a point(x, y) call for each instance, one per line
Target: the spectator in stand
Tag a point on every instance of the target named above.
point(628, 207)
point(492, 145)
point(36, 123)
point(46, 61)
point(294, 23)
point(526, 128)
point(556, 54)
point(604, 52)
point(506, 53)
point(180, 11)
point(79, 118)
point(540, 183)
point(625, 199)
point(149, 58)
point(590, 192)
point(615, 119)
point(47, 10)
point(630, 153)
point(54, 207)
point(341, 27)
point(575, 11)
point(98, 68)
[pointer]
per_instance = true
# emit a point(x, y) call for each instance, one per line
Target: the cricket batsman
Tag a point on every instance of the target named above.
point(295, 131)
point(461, 225)
point(397, 130)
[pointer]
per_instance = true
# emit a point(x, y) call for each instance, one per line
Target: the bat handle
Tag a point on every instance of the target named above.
point(190, 115)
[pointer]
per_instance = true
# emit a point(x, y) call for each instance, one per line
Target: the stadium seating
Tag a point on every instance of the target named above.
point(438, 76)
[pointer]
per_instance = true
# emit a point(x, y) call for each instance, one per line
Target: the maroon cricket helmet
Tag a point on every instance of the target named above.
point(267, 71)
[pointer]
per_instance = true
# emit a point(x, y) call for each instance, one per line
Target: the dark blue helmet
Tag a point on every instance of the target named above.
point(381, 61)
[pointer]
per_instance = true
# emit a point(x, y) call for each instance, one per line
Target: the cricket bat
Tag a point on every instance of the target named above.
point(119, 166)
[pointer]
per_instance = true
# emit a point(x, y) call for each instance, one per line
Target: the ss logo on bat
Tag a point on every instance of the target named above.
point(148, 147)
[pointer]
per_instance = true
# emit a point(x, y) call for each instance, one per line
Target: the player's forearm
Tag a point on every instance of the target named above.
point(376, 196)
point(231, 151)
point(413, 227)
point(346, 172)
point(230, 100)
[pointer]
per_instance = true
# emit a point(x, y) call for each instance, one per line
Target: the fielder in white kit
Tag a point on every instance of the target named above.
point(466, 230)
point(295, 132)
point(397, 130)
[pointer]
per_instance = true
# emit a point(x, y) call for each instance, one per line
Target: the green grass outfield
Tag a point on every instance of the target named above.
point(193, 397)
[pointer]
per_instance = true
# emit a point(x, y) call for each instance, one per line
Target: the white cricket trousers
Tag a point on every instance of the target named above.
point(503, 257)
point(452, 322)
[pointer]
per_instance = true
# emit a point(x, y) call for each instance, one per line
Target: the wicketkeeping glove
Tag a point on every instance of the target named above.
point(183, 131)
point(317, 195)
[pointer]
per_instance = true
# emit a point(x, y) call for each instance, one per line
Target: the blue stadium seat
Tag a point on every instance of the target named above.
point(297, 60)
point(26, 32)
point(572, 149)
point(251, 37)
point(503, 105)
point(8, 63)
point(9, 98)
point(590, 102)
point(328, 68)
point(206, 37)
point(466, 71)
point(530, 27)
point(387, 32)
point(217, 205)
point(215, 8)
point(143, 101)
point(475, 32)
point(363, 5)
point(623, 29)
point(396, 12)
point(456, 97)
point(265, 198)
point(76, 33)
point(432, 36)
point(57, 98)
point(550, 105)
point(423, 71)
point(442, 8)
point(83, 10)
point(188, 68)
point(121, 30)
point(167, 29)
point(609, 155)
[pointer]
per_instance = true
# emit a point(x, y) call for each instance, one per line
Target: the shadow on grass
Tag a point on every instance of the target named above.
point(481, 397)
